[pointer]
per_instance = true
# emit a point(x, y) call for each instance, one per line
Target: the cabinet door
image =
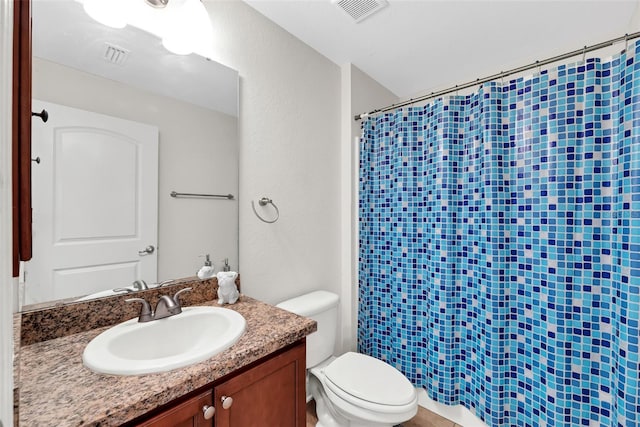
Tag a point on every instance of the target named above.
point(270, 394)
point(189, 413)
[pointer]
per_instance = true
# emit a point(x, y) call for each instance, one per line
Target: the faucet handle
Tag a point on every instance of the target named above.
point(145, 311)
point(163, 283)
point(139, 285)
point(177, 295)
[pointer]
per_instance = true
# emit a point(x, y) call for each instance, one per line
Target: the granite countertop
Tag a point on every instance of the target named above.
point(56, 388)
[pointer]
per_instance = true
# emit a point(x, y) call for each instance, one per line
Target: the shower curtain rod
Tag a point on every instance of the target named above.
point(479, 81)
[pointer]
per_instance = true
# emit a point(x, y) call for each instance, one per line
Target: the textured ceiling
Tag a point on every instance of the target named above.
point(414, 47)
point(65, 34)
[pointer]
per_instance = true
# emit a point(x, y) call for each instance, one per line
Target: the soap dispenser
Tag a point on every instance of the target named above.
point(206, 271)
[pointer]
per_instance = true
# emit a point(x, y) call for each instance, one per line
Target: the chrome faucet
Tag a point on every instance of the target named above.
point(167, 306)
point(137, 285)
point(146, 315)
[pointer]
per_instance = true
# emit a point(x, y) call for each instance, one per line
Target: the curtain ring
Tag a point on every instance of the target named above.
point(263, 202)
point(538, 66)
point(584, 54)
point(626, 42)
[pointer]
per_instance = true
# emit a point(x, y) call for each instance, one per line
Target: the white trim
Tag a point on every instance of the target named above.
point(7, 283)
point(456, 413)
point(348, 327)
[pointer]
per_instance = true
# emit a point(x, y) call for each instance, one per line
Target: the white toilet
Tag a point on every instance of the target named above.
point(354, 389)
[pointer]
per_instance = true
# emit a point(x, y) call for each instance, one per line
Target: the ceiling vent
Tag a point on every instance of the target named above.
point(115, 54)
point(360, 9)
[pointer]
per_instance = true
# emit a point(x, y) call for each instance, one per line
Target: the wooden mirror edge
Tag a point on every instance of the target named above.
point(21, 139)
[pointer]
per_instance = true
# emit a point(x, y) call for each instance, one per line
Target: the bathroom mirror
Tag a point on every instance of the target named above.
point(126, 74)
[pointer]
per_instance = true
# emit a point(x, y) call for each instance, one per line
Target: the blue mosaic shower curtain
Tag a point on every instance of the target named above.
point(500, 246)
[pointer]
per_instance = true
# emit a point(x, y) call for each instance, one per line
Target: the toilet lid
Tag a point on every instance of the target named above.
point(370, 379)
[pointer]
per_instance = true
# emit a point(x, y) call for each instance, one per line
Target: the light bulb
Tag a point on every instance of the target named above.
point(107, 12)
point(186, 27)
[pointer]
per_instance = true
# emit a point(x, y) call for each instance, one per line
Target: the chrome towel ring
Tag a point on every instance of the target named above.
point(263, 202)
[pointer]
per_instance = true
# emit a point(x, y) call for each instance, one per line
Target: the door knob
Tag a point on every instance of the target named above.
point(147, 251)
point(227, 401)
point(208, 412)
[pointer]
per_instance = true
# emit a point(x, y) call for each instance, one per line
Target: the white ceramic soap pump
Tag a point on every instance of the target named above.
point(206, 271)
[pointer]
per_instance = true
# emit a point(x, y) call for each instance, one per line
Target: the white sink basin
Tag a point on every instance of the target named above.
point(133, 348)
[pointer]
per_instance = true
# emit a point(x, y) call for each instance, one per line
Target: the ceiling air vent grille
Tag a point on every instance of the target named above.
point(360, 9)
point(115, 54)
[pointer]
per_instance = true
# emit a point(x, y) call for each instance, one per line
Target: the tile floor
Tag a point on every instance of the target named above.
point(424, 418)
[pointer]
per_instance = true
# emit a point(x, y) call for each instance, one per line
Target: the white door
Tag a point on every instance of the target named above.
point(95, 203)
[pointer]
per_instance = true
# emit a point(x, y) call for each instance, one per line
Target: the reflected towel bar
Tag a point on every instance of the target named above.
point(205, 196)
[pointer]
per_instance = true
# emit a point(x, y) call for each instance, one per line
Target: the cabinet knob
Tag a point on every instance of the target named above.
point(208, 412)
point(227, 401)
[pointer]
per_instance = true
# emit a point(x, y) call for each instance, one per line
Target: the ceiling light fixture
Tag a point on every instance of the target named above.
point(109, 13)
point(157, 3)
point(187, 25)
point(183, 25)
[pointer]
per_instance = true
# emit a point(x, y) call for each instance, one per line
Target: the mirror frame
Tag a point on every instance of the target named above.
point(21, 138)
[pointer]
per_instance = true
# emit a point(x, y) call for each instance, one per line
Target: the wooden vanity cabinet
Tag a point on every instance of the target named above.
point(270, 393)
point(189, 413)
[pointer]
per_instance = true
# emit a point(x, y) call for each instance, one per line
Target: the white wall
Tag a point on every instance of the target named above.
point(198, 154)
point(360, 94)
point(6, 282)
point(296, 147)
point(289, 151)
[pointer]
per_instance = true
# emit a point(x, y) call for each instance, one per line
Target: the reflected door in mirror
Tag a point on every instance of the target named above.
point(95, 197)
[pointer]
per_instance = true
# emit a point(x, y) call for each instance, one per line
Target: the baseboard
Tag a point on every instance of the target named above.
point(457, 413)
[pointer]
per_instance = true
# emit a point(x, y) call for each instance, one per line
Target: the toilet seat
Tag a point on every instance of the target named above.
point(370, 413)
point(369, 383)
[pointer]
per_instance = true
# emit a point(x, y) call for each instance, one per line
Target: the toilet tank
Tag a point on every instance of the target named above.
point(321, 306)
